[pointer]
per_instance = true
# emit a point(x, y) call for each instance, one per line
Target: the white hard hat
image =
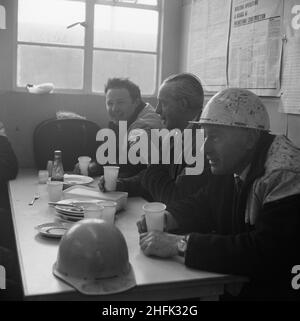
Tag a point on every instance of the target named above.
point(235, 107)
point(93, 258)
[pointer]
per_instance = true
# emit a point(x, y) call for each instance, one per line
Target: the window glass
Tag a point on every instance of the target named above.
point(46, 21)
point(145, 2)
point(148, 2)
point(61, 66)
point(125, 28)
point(140, 68)
point(54, 42)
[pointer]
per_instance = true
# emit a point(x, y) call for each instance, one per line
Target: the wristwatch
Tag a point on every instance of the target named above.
point(182, 245)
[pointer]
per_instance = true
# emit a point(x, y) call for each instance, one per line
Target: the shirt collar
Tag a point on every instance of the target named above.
point(243, 174)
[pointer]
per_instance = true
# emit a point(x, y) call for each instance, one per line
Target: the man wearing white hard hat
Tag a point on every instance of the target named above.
point(246, 221)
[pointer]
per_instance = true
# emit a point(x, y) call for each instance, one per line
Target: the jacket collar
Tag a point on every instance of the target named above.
point(134, 116)
point(257, 165)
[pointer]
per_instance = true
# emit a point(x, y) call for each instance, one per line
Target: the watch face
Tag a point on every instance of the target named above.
point(182, 245)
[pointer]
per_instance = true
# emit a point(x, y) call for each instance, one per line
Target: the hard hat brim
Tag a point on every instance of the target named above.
point(203, 122)
point(101, 286)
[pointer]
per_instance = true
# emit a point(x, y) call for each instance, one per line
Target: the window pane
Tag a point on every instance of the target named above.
point(148, 2)
point(47, 20)
point(140, 68)
point(125, 28)
point(145, 2)
point(61, 66)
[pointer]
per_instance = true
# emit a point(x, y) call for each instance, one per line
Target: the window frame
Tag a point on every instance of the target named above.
point(88, 46)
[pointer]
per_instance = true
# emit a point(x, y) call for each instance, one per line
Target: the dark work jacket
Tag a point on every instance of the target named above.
point(165, 183)
point(221, 241)
point(8, 169)
point(126, 170)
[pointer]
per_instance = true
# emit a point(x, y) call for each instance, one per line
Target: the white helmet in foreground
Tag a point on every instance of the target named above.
point(93, 258)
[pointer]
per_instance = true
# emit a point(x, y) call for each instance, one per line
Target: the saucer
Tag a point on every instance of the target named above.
point(52, 230)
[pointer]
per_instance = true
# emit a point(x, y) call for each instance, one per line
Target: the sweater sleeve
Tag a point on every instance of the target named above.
point(132, 185)
point(165, 187)
point(8, 161)
point(270, 246)
point(192, 214)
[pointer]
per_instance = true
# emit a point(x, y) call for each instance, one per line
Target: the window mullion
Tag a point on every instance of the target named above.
point(159, 44)
point(88, 52)
point(127, 5)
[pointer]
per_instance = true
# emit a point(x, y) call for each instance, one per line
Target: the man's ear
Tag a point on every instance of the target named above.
point(137, 102)
point(183, 105)
point(186, 109)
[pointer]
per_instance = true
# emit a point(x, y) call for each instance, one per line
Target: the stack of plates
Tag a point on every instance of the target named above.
point(72, 214)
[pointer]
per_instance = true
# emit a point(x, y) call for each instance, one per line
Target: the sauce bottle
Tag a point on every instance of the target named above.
point(57, 168)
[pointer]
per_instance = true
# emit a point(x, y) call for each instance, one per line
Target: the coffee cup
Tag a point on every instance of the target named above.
point(43, 176)
point(154, 215)
point(110, 177)
point(84, 164)
point(109, 211)
point(54, 190)
point(93, 211)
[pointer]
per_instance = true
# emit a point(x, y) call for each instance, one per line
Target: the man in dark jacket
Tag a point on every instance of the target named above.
point(246, 220)
point(180, 100)
point(8, 166)
point(8, 171)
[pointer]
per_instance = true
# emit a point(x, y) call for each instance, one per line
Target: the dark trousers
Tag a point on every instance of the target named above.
point(8, 259)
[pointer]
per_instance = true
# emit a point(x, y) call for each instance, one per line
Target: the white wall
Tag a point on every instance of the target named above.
point(281, 123)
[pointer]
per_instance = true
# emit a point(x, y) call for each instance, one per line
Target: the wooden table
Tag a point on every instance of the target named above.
point(157, 279)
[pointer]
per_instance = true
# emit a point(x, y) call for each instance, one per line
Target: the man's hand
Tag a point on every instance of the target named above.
point(169, 223)
point(159, 244)
point(141, 225)
point(101, 184)
point(76, 169)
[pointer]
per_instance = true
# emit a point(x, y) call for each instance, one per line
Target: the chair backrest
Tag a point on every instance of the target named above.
point(74, 137)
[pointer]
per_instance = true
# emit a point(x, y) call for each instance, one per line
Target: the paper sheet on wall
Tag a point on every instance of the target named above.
point(256, 45)
point(208, 42)
point(2, 17)
point(291, 58)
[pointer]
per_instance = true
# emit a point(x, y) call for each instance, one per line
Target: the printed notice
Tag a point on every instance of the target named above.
point(209, 28)
point(255, 45)
point(291, 58)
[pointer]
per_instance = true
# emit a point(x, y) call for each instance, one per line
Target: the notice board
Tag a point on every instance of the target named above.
point(253, 44)
point(290, 88)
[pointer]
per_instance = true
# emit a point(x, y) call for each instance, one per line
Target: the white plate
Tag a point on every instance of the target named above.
point(68, 218)
point(71, 211)
point(74, 201)
point(52, 230)
point(77, 179)
point(87, 192)
point(70, 214)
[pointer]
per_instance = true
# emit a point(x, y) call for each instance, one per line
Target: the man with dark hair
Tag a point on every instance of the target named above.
point(124, 103)
point(133, 90)
point(180, 100)
point(246, 220)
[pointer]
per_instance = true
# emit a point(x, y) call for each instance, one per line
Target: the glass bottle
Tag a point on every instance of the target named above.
point(57, 168)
